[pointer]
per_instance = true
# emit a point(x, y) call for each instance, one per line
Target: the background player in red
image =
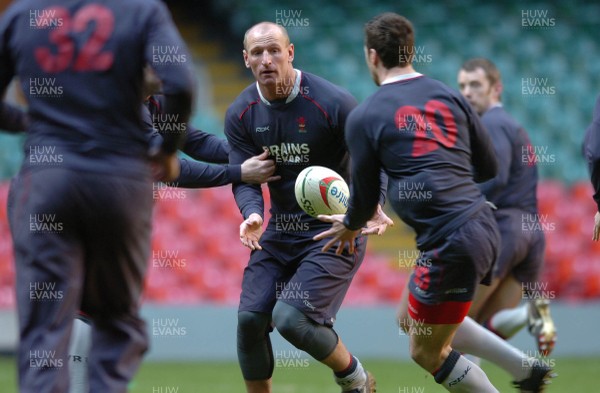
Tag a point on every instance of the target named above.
point(513, 192)
point(77, 241)
point(289, 282)
point(423, 133)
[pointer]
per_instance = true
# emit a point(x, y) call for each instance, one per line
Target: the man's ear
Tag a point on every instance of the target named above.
point(373, 57)
point(245, 54)
point(498, 88)
point(291, 53)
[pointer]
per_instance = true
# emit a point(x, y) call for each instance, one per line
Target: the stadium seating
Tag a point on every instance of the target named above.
point(201, 227)
point(197, 233)
point(451, 32)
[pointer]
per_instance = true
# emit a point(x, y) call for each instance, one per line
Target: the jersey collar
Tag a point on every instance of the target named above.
point(293, 94)
point(398, 78)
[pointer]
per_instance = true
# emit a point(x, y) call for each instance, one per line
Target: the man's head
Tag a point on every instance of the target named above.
point(389, 43)
point(269, 54)
point(479, 82)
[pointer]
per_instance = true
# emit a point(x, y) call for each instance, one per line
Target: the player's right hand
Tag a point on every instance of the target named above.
point(251, 231)
point(165, 167)
point(341, 235)
point(259, 169)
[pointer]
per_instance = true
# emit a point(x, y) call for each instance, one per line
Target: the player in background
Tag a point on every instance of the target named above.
point(423, 133)
point(289, 282)
point(513, 192)
point(77, 241)
point(591, 152)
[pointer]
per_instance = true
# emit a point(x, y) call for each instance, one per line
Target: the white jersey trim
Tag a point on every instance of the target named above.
point(397, 78)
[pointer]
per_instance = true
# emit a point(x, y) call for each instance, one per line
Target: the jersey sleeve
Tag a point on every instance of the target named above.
point(196, 174)
point(483, 155)
point(248, 197)
point(366, 185)
point(383, 184)
point(504, 155)
point(591, 150)
point(198, 144)
point(177, 78)
point(346, 105)
point(10, 118)
point(207, 147)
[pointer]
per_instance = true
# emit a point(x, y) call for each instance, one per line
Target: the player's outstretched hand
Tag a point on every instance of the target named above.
point(596, 227)
point(251, 231)
point(259, 169)
point(338, 232)
point(378, 223)
point(165, 167)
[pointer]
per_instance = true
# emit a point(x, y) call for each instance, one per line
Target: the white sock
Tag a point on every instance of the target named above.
point(354, 380)
point(473, 338)
point(473, 359)
point(509, 321)
point(466, 377)
point(79, 349)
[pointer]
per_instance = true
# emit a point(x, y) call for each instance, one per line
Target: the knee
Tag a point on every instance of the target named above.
point(286, 319)
point(252, 324)
point(428, 358)
point(417, 353)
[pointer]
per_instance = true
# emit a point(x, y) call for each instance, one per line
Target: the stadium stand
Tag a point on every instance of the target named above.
point(197, 231)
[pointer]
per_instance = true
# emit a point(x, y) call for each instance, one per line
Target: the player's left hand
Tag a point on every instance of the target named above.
point(378, 223)
point(339, 232)
point(596, 227)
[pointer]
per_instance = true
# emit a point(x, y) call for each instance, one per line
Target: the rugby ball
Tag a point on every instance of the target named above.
point(320, 190)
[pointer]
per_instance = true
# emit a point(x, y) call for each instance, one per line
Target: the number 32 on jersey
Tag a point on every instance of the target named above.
point(63, 54)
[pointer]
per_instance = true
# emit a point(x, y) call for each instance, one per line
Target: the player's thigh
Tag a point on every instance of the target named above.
point(482, 295)
point(117, 244)
point(445, 277)
point(507, 294)
point(44, 225)
point(514, 242)
point(528, 271)
point(265, 277)
point(321, 281)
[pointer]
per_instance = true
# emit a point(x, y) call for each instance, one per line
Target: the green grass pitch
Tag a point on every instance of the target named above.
point(309, 376)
